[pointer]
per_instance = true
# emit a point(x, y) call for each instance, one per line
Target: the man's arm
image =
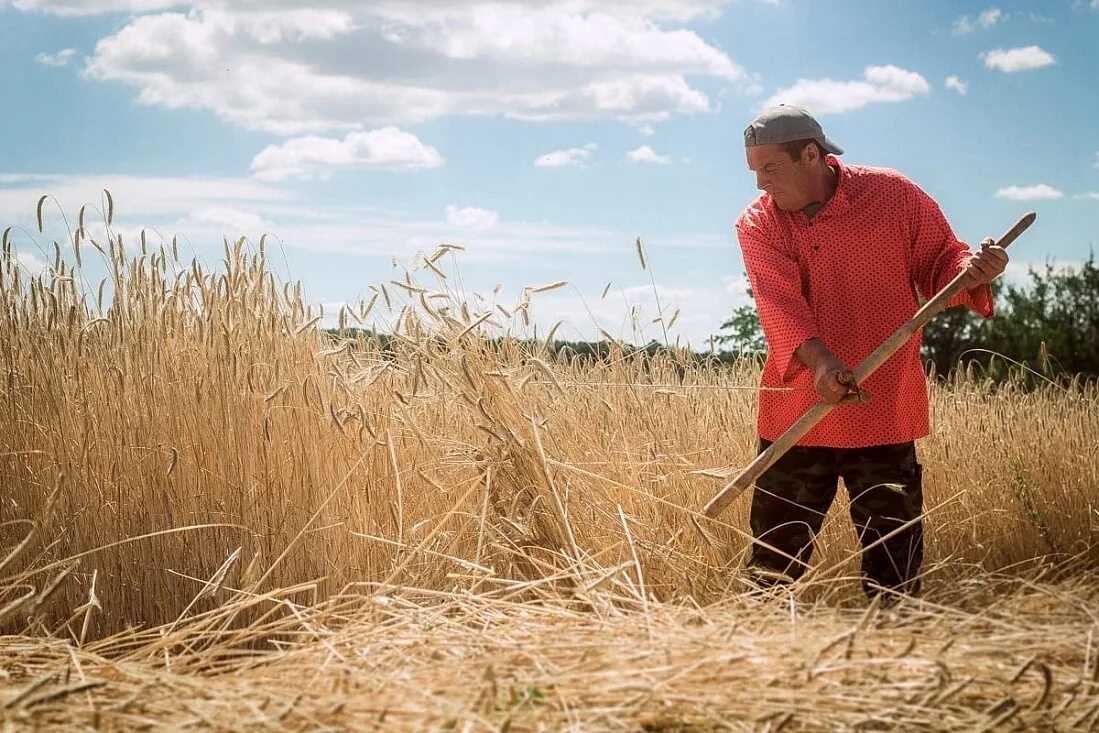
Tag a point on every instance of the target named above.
point(775, 277)
point(938, 256)
point(793, 337)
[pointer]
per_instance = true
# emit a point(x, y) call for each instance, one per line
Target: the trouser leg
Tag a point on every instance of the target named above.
point(885, 484)
point(789, 502)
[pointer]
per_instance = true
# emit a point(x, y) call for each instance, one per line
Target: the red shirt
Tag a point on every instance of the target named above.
point(850, 276)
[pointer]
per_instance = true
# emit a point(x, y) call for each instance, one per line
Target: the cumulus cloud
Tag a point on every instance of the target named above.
point(1018, 59)
point(153, 196)
point(567, 157)
point(233, 221)
point(317, 157)
point(953, 82)
point(879, 84)
point(670, 10)
point(56, 60)
point(986, 19)
point(471, 218)
point(737, 285)
point(646, 154)
point(30, 263)
point(93, 7)
point(1093, 195)
point(1037, 192)
point(291, 68)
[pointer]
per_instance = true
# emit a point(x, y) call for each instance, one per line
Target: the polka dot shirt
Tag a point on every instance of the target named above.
point(850, 276)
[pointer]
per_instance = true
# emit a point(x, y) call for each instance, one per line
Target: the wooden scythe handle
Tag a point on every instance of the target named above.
point(797, 431)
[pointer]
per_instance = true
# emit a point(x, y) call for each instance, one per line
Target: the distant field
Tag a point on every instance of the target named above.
point(217, 517)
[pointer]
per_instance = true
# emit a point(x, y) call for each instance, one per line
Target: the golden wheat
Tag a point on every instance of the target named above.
point(447, 528)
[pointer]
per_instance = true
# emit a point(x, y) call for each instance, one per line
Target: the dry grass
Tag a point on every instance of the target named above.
point(218, 518)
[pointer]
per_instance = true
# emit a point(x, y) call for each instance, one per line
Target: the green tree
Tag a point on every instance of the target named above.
point(742, 334)
point(1050, 323)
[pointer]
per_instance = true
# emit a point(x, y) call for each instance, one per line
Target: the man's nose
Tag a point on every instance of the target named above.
point(761, 181)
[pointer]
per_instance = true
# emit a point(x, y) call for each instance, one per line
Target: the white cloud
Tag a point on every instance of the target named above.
point(1017, 59)
point(316, 157)
point(471, 218)
point(953, 82)
point(665, 10)
point(56, 60)
point(645, 154)
point(737, 285)
point(1037, 192)
point(298, 69)
point(1018, 271)
point(1093, 195)
point(526, 32)
point(234, 221)
point(1096, 164)
point(204, 208)
point(879, 84)
point(212, 208)
point(986, 19)
point(93, 7)
point(646, 130)
point(1039, 18)
point(31, 264)
point(990, 17)
point(562, 158)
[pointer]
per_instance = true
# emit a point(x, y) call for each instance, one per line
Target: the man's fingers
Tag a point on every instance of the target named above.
point(984, 267)
point(992, 254)
point(855, 398)
point(843, 389)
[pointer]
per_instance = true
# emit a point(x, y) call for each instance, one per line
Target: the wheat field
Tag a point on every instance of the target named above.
point(218, 517)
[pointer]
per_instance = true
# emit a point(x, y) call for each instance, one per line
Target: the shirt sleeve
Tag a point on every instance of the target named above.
point(938, 255)
point(775, 277)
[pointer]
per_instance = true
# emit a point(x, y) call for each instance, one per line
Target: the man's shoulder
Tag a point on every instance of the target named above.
point(757, 214)
point(870, 177)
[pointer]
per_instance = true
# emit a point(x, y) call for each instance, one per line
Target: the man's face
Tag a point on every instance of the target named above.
point(788, 181)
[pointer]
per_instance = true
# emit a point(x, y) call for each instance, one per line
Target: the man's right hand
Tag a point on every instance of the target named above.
point(834, 382)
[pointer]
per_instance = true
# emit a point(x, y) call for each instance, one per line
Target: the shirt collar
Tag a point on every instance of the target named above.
point(835, 206)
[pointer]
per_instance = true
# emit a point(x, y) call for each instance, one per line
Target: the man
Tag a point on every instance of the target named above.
point(838, 257)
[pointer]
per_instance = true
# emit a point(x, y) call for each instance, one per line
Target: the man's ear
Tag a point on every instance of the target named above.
point(810, 154)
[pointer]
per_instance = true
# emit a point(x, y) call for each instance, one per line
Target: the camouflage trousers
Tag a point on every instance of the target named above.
point(790, 500)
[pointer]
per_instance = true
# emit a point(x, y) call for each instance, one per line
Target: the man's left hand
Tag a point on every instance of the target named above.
point(987, 264)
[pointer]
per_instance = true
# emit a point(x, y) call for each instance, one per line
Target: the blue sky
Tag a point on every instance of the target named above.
point(544, 136)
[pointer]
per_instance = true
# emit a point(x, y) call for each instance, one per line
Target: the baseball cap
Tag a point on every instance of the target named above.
point(785, 123)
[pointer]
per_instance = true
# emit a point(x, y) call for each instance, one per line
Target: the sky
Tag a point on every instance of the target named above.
point(543, 136)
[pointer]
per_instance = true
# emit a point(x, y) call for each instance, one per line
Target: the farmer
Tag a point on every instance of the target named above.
point(838, 257)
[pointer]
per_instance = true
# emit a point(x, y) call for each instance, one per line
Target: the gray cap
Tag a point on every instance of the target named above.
point(785, 123)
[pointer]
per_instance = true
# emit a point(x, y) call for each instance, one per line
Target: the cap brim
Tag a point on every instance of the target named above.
point(831, 147)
